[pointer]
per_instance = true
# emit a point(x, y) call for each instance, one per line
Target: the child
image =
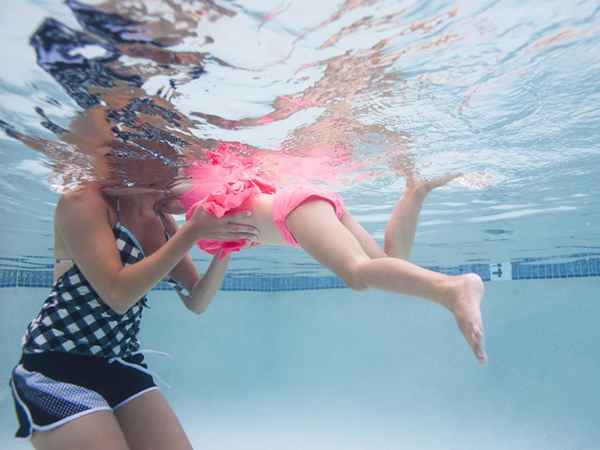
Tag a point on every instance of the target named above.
point(227, 182)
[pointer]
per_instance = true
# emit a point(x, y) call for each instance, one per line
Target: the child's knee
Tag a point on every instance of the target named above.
point(357, 286)
point(354, 278)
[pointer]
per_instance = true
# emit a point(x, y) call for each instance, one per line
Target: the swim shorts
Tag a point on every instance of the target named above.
point(286, 201)
point(52, 388)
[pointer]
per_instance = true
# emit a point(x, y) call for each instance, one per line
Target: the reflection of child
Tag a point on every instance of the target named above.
point(226, 183)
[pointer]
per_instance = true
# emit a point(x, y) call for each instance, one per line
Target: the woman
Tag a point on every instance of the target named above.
point(81, 382)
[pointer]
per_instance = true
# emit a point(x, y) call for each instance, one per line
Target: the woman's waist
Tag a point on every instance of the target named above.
point(81, 325)
point(34, 361)
point(81, 337)
point(83, 300)
point(80, 369)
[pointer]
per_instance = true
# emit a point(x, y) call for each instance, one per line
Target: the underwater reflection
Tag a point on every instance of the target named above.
point(122, 45)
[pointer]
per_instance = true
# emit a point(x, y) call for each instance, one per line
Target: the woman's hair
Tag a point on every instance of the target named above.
point(146, 164)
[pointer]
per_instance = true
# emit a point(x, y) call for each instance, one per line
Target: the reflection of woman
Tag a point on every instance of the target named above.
point(81, 381)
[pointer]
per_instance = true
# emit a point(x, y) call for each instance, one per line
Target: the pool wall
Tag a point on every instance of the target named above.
point(332, 369)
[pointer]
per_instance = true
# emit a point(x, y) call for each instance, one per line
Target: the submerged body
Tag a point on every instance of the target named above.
point(81, 381)
point(227, 182)
point(268, 215)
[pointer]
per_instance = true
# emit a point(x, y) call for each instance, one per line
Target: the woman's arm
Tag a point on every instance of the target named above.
point(205, 287)
point(82, 218)
point(201, 287)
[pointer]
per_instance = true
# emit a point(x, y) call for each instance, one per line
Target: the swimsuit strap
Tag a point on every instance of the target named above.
point(118, 212)
point(162, 220)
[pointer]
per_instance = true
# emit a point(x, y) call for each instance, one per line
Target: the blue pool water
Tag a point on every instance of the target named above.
point(286, 358)
point(330, 370)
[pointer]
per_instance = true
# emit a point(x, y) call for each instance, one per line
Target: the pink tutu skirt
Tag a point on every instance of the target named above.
point(225, 184)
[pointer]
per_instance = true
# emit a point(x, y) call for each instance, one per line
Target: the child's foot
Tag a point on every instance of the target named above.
point(424, 186)
point(420, 187)
point(416, 184)
point(465, 302)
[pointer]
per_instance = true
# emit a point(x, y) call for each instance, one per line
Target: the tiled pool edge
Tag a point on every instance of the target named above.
point(270, 282)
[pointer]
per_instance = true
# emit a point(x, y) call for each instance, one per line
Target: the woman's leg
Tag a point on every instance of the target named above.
point(149, 423)
point(319, 232)
point(95, 431)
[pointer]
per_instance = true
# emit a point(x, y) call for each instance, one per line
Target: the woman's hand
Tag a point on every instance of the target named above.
point(227, 228)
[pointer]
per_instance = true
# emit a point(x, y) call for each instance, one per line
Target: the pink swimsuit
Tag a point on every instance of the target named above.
point(226, 182)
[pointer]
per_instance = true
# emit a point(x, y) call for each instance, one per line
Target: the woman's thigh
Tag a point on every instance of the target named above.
point(95, 431)
point(149, 423)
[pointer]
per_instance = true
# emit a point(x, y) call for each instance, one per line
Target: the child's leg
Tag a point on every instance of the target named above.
point(318, 230)
point(366, 241)
point(401, 228)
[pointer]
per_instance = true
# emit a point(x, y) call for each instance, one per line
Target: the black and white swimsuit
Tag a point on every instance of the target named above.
point(79, 356)
point(74, 318)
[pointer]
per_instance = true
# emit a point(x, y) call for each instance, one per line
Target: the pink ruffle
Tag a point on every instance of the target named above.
point(223, 184)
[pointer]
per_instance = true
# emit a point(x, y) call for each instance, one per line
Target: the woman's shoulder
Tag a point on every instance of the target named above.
point(87, 199)
point(82, 214)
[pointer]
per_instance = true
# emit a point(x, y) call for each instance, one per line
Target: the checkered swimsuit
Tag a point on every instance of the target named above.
point(74, 318)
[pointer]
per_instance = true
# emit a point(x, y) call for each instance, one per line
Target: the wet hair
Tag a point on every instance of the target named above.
point(141, 164)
